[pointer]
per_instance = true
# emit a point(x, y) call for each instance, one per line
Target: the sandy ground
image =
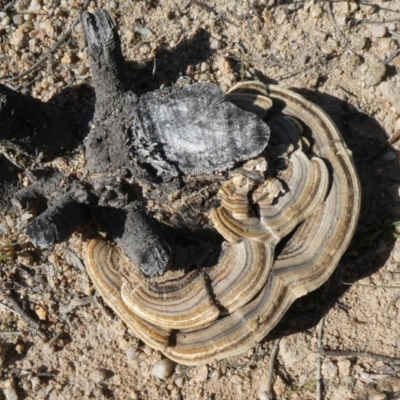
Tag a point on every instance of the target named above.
point(343, 56)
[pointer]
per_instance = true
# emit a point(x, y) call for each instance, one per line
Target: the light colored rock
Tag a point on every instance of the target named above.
point(279, 386)
point(215, 374)
point(263, 396)
point(375, 395)
point(202, 373)
point(375, 74)
point(185, 21)
point(179, 382)
point(145, 32)
point(35, 383)
point(359, 43)
point(344, 367)
point(215, 44)
point(236, 379)
point(390, 93)
point(316, 11)
point(19, 39)
point(132, 355)
point(18, 20)
point(329, 370)
point(99, 375)
point(163, 369)
point(378, 31)
point(20, 348)
point(35, 7)
point(292, 351)
point(9, 389)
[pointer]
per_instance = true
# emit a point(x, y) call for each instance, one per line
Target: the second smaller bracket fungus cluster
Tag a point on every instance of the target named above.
point(303, 188)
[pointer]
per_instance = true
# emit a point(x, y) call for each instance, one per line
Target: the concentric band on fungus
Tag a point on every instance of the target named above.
point(224, 310)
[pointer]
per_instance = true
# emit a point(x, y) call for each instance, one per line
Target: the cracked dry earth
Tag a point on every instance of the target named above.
point(342, 56)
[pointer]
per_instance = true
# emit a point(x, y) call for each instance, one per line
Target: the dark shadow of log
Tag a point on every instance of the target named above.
point(32, 127)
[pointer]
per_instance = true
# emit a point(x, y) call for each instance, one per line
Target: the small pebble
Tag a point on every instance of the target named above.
point(329, 369)
point(41, 312)
point(179, 382)
point(375, 74)
point(19, 39)
point(344, 367)
point(185, 21)
point(9, 390)
point(99, 375)
point(163, 369)
point(215, 44)
point(18, 19)
point(378, 31)
point(132, 355)
point(316, 11)
point(145, 32)
point(263, 396)
point(202, 373)
point(35, 382)
point(236, 379)
point(129, 36)
point(279, 386)
point(359, 43)
point(35, 7)
point(215, 374)
point(19, 348)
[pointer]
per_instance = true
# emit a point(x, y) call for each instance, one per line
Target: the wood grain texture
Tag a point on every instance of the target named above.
point(226, 309)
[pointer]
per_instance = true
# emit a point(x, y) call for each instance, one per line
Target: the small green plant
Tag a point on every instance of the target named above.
point(8, 249)
point(310, 386)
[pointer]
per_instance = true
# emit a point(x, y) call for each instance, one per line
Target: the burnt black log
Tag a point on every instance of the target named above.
point(33, 197)
point(59, 221)
point(140, 236)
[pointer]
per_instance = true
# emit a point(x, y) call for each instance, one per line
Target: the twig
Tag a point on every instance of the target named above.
point(340, 33)
point(60, 41)
point(394, 138)
point(76, 302)
point(11, 333)
point(364, 354)
point(378, 7)
point(9, 5)
point(291, 74)
point(272, 360)
point(75, 260)
point(391, 57)
point(392, 303)
point(388, 21)
point(16, 309)
point(372, 286)
point(319, 359)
